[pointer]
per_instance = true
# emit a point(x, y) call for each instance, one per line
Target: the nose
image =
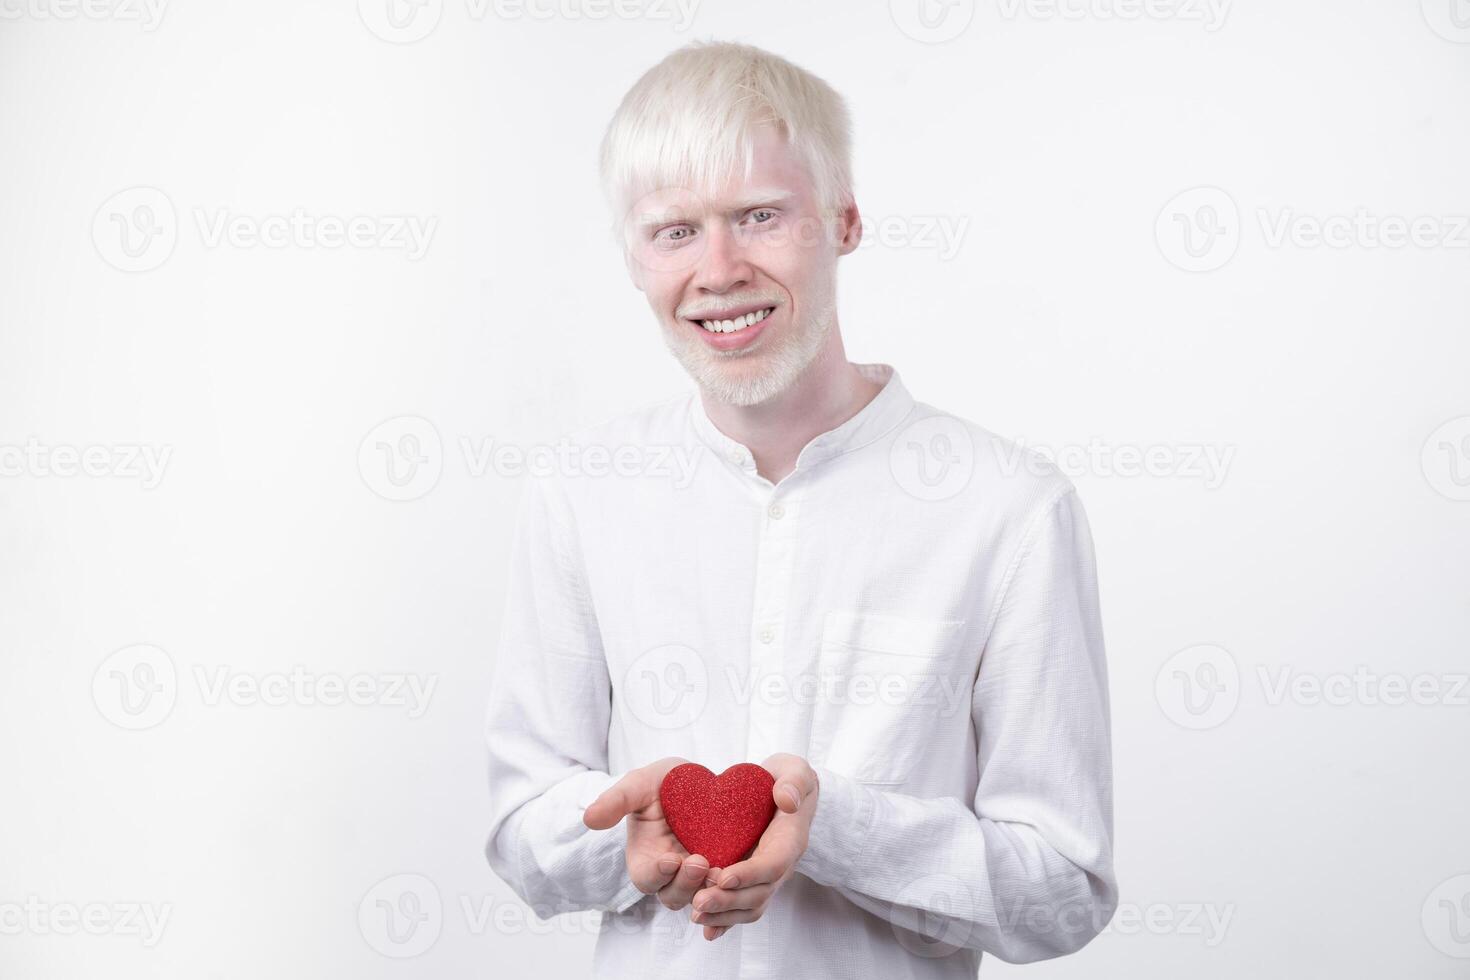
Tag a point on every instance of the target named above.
point(724, 265)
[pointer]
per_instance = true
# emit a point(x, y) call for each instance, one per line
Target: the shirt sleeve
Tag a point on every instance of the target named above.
point(547, 725)
point(1024, 871)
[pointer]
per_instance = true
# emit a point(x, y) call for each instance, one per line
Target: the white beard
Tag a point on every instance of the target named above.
point(726, 378)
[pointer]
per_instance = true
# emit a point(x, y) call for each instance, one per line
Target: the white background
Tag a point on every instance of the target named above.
point(1261, 833)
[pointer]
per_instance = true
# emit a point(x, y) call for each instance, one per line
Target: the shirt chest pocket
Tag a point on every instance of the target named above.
point(888, 688)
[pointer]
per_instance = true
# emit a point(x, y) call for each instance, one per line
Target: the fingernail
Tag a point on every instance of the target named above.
point(709, 882)
point(666, 864)
point(794, 796)
point(731, 881)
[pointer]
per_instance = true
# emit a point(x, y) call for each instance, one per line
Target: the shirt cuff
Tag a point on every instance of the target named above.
point(628, 897)
point(839, 827)
point(590, 786)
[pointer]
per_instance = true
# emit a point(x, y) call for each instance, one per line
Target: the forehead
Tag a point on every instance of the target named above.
point(777, 177)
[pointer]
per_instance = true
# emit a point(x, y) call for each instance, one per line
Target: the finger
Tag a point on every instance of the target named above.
point(733, 918)
point(677, 893)
point(634, 791)
point(649, 877)
point(723, 900)
point(715, 932)
point(769, 862)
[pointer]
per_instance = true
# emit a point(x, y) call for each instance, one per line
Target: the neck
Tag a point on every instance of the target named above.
point(829, 392)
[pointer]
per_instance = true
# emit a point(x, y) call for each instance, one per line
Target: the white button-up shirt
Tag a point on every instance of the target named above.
point(913, 609)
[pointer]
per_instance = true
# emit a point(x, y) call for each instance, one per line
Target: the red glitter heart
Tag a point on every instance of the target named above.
point(721, 817)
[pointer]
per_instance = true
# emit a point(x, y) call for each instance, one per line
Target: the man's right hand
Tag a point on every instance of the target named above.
point(657, 862)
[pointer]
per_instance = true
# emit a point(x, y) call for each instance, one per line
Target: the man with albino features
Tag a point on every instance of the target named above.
point(853, 590)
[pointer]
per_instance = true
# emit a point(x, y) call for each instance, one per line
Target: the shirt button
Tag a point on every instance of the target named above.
point(767, 635)
point(777, 511)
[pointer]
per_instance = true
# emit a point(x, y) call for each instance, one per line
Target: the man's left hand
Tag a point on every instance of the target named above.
point(741, 892)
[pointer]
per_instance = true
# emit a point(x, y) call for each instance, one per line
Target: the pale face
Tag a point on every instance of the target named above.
point(744, 281)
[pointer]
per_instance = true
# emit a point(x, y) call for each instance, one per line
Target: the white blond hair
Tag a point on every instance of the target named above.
point(687, 123)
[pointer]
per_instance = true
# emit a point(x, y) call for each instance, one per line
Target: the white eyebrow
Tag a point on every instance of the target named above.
point(759, 196)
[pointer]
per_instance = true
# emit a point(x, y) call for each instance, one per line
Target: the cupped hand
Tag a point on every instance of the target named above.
point(657, 863)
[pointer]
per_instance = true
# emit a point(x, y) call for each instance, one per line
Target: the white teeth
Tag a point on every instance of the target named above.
point(738, 323)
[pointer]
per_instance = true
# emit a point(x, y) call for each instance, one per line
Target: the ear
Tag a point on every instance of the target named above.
point(850, 228)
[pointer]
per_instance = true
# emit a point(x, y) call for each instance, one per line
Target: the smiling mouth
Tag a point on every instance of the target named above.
point(735, 324)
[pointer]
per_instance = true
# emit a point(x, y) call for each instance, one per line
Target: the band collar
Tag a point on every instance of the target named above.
point(888, 408)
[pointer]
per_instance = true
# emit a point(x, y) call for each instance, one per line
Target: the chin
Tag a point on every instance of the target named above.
point(744, 395)
point(749, 380)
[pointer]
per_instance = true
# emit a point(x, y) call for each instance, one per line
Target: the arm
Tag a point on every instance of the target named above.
point(1028, 874)
point(547, 725)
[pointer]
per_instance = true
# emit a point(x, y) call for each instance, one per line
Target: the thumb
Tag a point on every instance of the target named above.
point(633, 792)
point(794, 781)
point(787, 796)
